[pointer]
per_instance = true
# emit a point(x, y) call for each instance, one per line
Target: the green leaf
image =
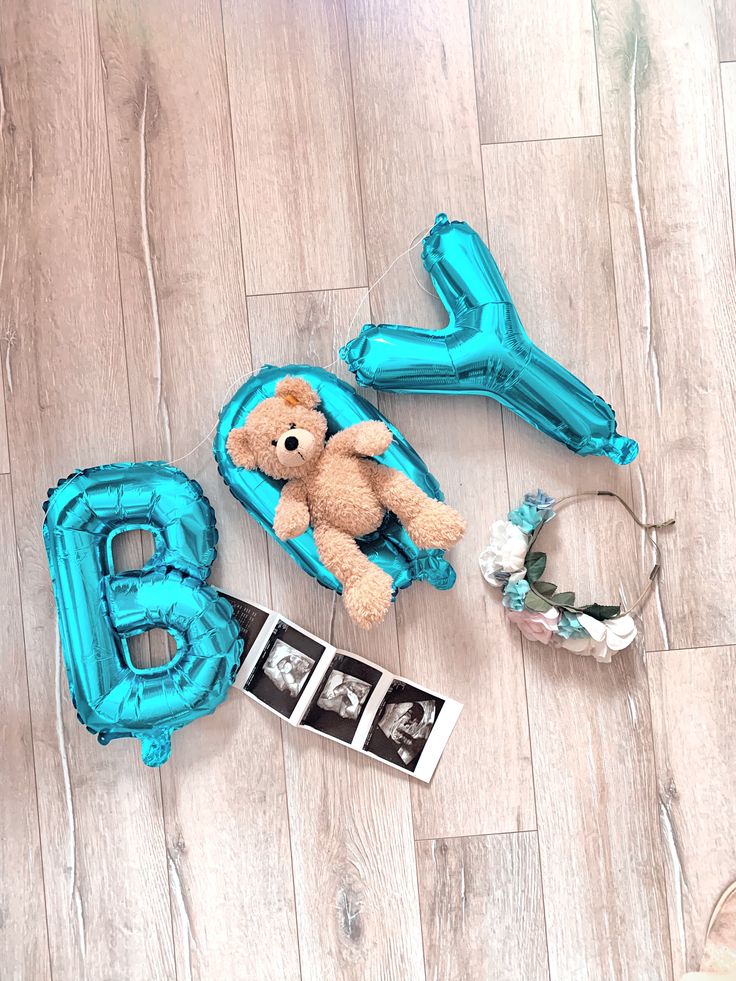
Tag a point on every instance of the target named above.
point(536, 603)
point(599, 612)
point(545, 588)
point(563, 599)
point(535, 566)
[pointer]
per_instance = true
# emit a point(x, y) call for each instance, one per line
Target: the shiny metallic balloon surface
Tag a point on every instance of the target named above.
point(484, 350)
point(98, 608)
point(390, 547)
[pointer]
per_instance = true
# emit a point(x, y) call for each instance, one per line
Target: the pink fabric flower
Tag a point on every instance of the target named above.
point(539, 627)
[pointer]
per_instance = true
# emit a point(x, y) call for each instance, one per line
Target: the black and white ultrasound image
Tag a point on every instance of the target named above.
point(403, 725)
point(339, 704)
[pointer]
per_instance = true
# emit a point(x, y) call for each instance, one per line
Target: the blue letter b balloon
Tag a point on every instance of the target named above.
point(484, 350)
point(98, 608)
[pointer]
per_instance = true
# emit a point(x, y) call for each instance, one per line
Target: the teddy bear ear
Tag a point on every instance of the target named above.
point(297, 391)
point(239, 448)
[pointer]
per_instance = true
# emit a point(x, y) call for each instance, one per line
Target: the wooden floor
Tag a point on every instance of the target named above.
point(190, 188)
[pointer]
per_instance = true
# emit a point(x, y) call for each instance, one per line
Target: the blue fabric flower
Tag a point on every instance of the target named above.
point(514, 595)
point(526, 517)
point(569, 626)
point(540, 500)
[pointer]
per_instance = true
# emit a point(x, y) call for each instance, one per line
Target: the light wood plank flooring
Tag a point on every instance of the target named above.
point(191, 188)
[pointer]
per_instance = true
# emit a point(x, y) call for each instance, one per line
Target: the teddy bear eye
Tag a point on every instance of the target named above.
point(292, 425)
point(274, 442)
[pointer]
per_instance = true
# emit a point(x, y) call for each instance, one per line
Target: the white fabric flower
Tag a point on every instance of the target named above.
point(606, 637)
point(505, 554)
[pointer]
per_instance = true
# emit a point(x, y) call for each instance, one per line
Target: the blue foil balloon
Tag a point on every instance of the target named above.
point(484, 350)
point(99, 608)
point(390, 547)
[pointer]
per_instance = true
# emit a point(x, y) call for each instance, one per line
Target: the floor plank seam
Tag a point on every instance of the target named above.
point(485, 834)
point(318, 289)
point(546, 139)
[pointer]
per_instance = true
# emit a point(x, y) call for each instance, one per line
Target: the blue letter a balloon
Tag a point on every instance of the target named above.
point(98, 608)
point(484, 350)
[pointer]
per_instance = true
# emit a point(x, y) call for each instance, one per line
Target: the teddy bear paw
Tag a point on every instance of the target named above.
point(368, 598)
point(436, 526)
point(291, 522)
point(372, 438)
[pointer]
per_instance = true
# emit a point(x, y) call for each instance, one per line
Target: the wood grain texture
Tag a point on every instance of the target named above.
point(5, 342)
point(23, 932)
point(728, 87)
point(726, 26)
point(668, 196)
point(107, 899)
point(161, 162)
point(293, 127)
point(590, 728)
point(417, 131)
point(534, 69)
point(187, 338)
point(350, 816)
point(413, 77)
point(11, 194)
point(482, 908)
point(602, 859)
point(692, 710)
point(549, 233)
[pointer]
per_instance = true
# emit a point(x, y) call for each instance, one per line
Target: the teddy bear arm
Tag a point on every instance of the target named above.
point(292, 512)
point(369, 438)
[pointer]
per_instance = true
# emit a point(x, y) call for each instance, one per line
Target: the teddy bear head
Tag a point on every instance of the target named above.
point(284, 435)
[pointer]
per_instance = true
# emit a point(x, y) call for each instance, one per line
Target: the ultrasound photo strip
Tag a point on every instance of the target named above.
point(341, 696)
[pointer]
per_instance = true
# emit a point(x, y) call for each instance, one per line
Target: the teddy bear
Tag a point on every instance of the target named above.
point(333, 485)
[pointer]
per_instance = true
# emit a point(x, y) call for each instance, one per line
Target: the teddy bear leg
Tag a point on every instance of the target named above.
point(429, 523)
point(367, 590)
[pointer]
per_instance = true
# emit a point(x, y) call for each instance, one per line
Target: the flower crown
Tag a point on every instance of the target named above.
point(542, 613)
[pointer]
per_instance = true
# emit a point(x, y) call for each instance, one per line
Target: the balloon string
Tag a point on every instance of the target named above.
point(351, 326)
point(238, 381)
point(416, 278)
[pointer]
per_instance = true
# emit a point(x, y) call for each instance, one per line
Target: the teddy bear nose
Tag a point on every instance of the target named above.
point(291, 443)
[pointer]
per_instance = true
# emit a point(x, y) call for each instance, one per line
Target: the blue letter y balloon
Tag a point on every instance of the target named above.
point(484, 350)
point(99, 608)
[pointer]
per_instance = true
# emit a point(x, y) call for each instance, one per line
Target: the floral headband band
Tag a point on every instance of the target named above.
point(540, 612)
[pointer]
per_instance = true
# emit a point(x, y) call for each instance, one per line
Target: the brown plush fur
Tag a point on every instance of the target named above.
point(335, 488)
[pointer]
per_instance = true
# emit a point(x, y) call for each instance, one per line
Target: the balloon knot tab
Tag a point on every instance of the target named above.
point(156, 747)
point(623, 449)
